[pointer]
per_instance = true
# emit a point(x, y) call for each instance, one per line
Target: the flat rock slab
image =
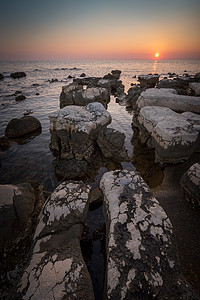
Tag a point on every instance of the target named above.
point(169, 98)
point(141, 256)
point(56, 269)
point(190, 182)
point(74, 128)
point(174, 136)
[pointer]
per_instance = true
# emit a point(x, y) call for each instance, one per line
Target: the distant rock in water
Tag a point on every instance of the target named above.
point(20, 127)
point(53, 80)
point(83, 75)
point(18, 75)
point(1, 76)
point(20, 98)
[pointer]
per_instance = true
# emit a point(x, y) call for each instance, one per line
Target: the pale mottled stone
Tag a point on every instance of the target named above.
point(195, 86)
point(56, 269)
point(141, 256)
point(169, 98)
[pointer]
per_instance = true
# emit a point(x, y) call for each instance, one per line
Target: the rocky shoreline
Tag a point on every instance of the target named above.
point(140, 242)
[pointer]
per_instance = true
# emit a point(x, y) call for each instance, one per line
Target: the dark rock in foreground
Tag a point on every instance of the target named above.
point(1, 76)
point(18, 75)
point(190, 182)
point(20, 127)
point(142, 261)
point(56, 269)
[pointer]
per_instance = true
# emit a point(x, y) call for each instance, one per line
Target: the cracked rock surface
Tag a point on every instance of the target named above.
point(174, 136)
point(190, 182)
point(141, 256)
point(56, 269)
point(74, 128)
point(169, 98)
point(74, 94)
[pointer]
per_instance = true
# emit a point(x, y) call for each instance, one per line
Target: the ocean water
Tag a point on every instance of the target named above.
point(31, 159)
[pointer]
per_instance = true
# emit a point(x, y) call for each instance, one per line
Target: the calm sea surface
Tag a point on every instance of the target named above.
point(32, 159)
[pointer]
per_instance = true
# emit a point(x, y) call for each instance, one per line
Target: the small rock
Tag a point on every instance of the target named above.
point(70, 77)
point(37, 94)
point(83, 75)
point(53, 80)
point(20, 98)
point(1, 76)
point(18, 75)
point(20, 127)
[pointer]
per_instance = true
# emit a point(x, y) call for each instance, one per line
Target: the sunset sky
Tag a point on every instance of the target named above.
point(104, 29)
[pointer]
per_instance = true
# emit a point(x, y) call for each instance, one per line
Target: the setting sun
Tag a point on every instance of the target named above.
point(157, 54)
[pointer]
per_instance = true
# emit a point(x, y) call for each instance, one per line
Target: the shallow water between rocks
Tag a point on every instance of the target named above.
point(31, 159)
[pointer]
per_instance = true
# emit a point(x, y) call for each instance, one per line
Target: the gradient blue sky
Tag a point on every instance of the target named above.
point(99, 29)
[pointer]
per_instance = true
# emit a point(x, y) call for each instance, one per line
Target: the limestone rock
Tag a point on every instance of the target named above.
point(74, 128)
point(169, 98)
point(56, 269)
point(195, 86)
point(20, 127)
point(74, 94)
point(111, 143)
point(173, 135)
point(18, 75)
point(190, 182)
point(148, 81)
point(141, 255)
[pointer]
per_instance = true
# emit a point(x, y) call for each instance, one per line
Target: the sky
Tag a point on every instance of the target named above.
point(104, 29)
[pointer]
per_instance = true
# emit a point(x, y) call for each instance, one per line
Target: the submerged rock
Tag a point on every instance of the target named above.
point(169, 98)
point(141, 255)
point(111, 144)
point(190, 182)
point(18, 75)
point(56, 269)
point(1, 76)
point(148, 81)
point(4, 143)
point(20, 127)
point(174, 136)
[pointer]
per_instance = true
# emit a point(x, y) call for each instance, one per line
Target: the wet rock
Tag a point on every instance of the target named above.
point(70, 77)
point(4, 143)
point(96, 198)
point(111, 144)
point(190, 182)
point(70, 169)
point(74, 129)
point(53, 80)
point(148, 81)
point(197, 77)
point(83, 75)
point(18, 75)
point(20, 127)
point(116, 73)
point(169, 98)
point(195, 86)
point(56, 268)
point(173, 135)
point(133, 94)
point(20, 98)
point(74, 94)
point(1, 76)
point(142, 261)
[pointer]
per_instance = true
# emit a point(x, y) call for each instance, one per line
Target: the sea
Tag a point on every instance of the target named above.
point(30, 158)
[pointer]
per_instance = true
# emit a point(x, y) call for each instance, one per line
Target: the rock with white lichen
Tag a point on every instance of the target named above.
point(75, 94)
point(56, 269)
point(141, 255)
point(190, 182)
point(174, 136)
point(169, 98)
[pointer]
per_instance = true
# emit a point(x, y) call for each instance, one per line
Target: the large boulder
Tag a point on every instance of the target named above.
point(74, 129)
point(18, 75)
point(74, 94)
point(190, 182)
point(56, 269)
point(21, 127)
point(111, 144)
point(148, 81)
point(169, 98)
point(174, 136)
point(141, 254)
